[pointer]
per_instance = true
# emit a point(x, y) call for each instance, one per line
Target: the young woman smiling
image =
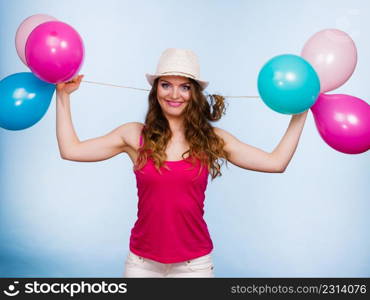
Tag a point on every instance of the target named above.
point(173, 153)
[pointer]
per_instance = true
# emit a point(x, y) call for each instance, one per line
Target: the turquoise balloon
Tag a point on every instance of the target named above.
point(24, 99)
point(288, 84)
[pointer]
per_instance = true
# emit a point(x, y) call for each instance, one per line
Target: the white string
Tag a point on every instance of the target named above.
point(140, 89)
point(115, 85)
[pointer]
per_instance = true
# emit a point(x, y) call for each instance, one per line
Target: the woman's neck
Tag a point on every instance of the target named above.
point(176, 126)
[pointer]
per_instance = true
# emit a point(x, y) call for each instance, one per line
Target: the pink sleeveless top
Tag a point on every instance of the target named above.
point(170, 227)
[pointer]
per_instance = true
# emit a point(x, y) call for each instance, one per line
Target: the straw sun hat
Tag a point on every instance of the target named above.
point(178, 62)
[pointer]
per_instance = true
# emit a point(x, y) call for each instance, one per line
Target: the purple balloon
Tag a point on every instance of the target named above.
point(54, 52)
point(343, 122)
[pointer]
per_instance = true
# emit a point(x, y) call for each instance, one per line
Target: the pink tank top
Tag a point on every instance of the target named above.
point(170, 226)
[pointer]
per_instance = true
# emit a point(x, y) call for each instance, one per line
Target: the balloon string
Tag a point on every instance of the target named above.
point(115, 85)
point(140, 89)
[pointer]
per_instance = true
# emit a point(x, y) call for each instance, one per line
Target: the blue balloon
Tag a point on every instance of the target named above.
point(24, 99)
point(288, 84)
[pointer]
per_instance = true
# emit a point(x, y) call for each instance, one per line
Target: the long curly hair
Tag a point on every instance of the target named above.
point(205, 145)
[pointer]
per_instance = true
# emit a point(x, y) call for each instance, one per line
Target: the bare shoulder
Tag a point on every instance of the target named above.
point(225, 135)
point(218, 131)
point(130, 133)
point(231, 142)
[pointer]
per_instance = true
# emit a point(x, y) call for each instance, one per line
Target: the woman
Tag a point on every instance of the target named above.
point(173, 153)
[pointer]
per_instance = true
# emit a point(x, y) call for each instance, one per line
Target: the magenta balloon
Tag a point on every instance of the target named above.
point(333, 55)
point(54, 52)
point(343, 122)
point(24, 30)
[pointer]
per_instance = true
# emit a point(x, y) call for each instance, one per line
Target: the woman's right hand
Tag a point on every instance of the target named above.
point(69, 86)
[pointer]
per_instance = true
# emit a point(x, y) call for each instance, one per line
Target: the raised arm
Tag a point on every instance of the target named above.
point(95, 149)
point(252, 158)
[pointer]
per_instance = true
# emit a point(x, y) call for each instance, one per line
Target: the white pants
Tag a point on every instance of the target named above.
point(137, 266)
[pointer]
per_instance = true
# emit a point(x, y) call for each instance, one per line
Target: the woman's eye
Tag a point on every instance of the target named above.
point(164, 85)
point(186, 88)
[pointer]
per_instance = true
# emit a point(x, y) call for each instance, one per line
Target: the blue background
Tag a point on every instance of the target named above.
point(67, 219)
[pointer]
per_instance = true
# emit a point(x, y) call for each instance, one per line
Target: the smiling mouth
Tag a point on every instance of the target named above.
point(174, 103)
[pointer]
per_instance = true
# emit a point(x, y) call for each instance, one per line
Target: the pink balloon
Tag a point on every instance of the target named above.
point(333, 55)
point(24, 30)
point(54, 52)
point(343, 122)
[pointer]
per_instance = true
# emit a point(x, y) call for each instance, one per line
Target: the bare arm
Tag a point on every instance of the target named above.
point(66, 134)
point(284, 151)
point(70, 147)
point(252, 158)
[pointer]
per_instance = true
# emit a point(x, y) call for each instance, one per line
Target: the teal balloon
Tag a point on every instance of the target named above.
point(288, 84)
point(24, 100)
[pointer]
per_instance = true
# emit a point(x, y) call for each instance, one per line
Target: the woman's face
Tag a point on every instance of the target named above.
point(173, 94)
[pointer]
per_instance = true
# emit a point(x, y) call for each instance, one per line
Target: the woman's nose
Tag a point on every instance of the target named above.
point(175, 93)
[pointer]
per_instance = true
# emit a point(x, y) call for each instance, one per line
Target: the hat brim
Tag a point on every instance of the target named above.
point(151, 77)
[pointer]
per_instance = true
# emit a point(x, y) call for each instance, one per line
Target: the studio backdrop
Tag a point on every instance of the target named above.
point(60, 218)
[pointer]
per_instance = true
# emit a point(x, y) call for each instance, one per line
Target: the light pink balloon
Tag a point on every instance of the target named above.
point(343, 122)
point(333, 55)
point(24, 30)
